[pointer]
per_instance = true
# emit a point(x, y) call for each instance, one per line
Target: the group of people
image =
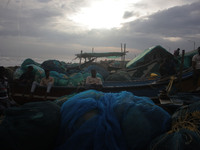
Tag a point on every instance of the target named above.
point(28, 79)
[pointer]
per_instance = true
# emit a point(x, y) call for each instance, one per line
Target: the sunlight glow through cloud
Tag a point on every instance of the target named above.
point(103, 14)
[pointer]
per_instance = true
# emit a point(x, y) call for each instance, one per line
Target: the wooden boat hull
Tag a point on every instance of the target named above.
point(148, 88)
point(55, 93)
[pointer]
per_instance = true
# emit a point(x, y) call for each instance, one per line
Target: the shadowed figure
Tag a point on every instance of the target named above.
point(26, 79)
point(93, 82)
point(47, 81)
point(167, 67)
point(5, 100)
point(196, 68)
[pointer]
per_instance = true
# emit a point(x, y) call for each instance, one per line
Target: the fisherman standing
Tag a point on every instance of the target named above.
point(5, 99)
point(196, 68)
point(177, 52)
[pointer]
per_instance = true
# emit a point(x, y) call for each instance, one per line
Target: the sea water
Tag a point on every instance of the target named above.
point(8, 61)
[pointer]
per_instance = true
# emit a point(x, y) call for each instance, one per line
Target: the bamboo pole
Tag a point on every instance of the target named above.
point(124, 55)
point(181, 69)
point(121, 51)
point(80, 58)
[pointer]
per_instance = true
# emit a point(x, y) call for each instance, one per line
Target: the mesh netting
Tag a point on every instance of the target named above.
point(99, 69)
point(60, 79)
point(97, 120)
point(29, 61)
point(185, 130)
point(119, 76)
point(32, 126)
point(54, 65)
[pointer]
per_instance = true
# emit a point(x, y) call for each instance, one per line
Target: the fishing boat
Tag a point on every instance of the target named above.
point(148, 88)
point(151, 88)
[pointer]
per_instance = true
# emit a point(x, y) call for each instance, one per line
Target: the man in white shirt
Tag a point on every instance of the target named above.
point(47, 81)
point(93, 81)
point(196, 68)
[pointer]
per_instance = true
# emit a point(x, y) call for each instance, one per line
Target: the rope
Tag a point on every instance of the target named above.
point(189, 121)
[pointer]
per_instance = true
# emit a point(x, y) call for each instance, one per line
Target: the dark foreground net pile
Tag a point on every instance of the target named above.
point(33, 126)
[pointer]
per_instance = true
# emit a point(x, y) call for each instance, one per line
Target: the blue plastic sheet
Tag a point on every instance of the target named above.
point(102, 121)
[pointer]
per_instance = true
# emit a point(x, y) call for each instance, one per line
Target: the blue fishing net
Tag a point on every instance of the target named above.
point(105, 121)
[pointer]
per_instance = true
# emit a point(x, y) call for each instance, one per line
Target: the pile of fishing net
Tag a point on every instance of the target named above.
point(58, 72)
point(76, 79)
point(54, 65)
point(29, 61)
point(119, 76)
point(60, 79)
point(105, 121)
point(37, 71)
point(32, 126)
point(185, 130)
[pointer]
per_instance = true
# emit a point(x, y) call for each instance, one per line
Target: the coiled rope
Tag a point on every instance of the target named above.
point(189, 121)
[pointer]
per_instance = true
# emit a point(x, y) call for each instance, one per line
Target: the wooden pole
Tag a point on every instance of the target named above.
point(80, 58)
point(121, 51)
point(181, 69)
point(124, 55)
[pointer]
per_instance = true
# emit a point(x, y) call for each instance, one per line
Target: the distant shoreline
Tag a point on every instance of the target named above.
point(10, 61)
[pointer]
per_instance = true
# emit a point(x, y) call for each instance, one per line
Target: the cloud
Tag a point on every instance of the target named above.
point(175, 21)
point(181, 21)
point(129, 14)
point(37, 29)
point(44, 1)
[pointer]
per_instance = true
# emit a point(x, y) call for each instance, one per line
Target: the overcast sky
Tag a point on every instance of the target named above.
point(59, 29)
